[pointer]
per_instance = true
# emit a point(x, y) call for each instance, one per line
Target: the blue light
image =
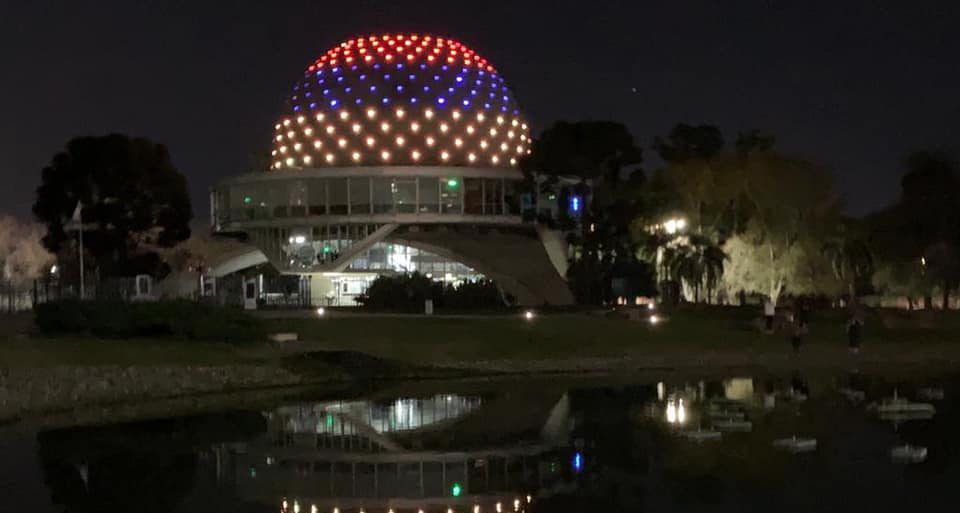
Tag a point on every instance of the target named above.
point(353, 68)
point(486, 105)
point(313, 105)
point(479, 82)
point(444, 67)
point(473, 92)
point(399, 66)
point(320, 73)
point(326, 92)
point(399, 88)
point(333, 103)
point(423, 66)
point(413, 100)
point(492, 95)
point(336, 70)
point(363, 77)
point(436, 78)
point(481, 73)
point(386, 76)
point(348, 89)
point(308, 94)
point(459, 78)
point(426, 88)
point(358, 101)
point(339, 79)
point(575, 203)
point(450, 89)
point(376, 66)
point(441, 100)
point(373, 88)
point(385, 100)
point(321, 81)
point(411, 76)
point(296, 108)
point(577, 462)
point(466, 103)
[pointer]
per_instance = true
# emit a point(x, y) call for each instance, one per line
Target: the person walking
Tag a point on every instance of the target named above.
point(855, 330)
point(769, 311)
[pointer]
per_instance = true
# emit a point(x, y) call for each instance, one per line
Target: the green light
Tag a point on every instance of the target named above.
point(326, 249)
point(452, 182)
point(247, 199)
point(456, 490)
point(329, 420)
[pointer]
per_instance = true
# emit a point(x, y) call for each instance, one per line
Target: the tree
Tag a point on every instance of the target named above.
point(918, 238)
point(696, 262)
point(688, 142)
point(789, 200)
point(850, 259)
point(602, 156)
point(133, 198)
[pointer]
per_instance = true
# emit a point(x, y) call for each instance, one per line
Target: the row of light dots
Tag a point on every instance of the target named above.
point(400, 140)
point(399, 45)
point(285, 507)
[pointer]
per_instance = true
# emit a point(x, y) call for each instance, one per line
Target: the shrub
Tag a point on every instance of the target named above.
point(165, 319)
point(408, 292)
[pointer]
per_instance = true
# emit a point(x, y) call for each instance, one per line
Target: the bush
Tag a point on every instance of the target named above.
point(408, 292)
point(165, 319)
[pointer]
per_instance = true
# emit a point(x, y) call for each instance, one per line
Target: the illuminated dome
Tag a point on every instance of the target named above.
point(400, 100)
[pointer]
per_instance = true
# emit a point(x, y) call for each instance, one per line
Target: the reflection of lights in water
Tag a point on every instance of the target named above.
point(499, 507)
point(296, 507)
point(399, 415)
point(529, 499)
point(661, 390)
point(476, 508)
point(516, 504)
point(676, 412)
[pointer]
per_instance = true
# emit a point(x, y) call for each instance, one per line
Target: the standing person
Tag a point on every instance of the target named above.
point(798, 329)
point(855, 330)
point(769, 311)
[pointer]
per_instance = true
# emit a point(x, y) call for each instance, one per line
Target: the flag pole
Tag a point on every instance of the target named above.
point(80, 217)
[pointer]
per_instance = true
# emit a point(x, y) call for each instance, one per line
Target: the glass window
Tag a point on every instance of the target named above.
point(337, 195)
point(472, 196)
point(382, 196)
point(512, 197)
point(276, 198)
point(450, 195)
point(493, 197)
point(359, 195)
point(429, 195)
point(297, 198)
point(317, 197)
point(405, 195)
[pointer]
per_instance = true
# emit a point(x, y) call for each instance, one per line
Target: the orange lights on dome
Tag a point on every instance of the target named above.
point(416, 99)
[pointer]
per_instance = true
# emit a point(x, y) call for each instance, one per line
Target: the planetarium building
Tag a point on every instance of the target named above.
point(396, 153)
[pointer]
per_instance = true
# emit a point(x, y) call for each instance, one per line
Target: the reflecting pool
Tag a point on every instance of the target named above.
point(671, 442)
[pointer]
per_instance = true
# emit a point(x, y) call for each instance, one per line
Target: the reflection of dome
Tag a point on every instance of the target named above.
point(400, 100)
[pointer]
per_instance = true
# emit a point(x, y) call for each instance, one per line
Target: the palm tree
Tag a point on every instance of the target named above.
point(696, 261)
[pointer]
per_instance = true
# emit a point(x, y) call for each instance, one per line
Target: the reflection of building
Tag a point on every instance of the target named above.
point(432, 453)
point(396, 153)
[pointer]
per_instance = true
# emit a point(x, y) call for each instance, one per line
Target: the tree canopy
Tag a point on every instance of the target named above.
point(134, 200)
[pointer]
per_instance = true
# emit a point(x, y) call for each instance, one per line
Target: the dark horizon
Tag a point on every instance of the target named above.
point(854, 87)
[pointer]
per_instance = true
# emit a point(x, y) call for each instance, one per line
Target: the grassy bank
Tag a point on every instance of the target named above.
point(697, 335)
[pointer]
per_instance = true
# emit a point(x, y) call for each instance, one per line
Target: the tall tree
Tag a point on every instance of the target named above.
point(603, 156)
point(133, 199)
point(689, 142)
point(22, 257)
point(850, 259)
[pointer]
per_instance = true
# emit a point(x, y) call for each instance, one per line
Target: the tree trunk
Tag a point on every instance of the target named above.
point(927, 301)
point(910, 303)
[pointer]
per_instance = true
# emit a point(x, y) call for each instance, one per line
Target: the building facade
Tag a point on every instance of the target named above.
point(396, 153)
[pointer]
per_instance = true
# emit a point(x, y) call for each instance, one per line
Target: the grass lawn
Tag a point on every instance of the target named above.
point(692, 333)
point(695, 332)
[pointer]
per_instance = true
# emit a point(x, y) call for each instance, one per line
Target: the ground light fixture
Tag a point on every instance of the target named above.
point(321, 311)
point(528, 315)
point(654, 319)
point(651, 306)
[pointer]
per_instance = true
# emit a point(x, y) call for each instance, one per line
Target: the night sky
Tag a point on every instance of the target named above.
point(850, 84)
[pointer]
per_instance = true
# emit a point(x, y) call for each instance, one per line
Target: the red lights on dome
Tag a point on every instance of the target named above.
point(400, 99)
